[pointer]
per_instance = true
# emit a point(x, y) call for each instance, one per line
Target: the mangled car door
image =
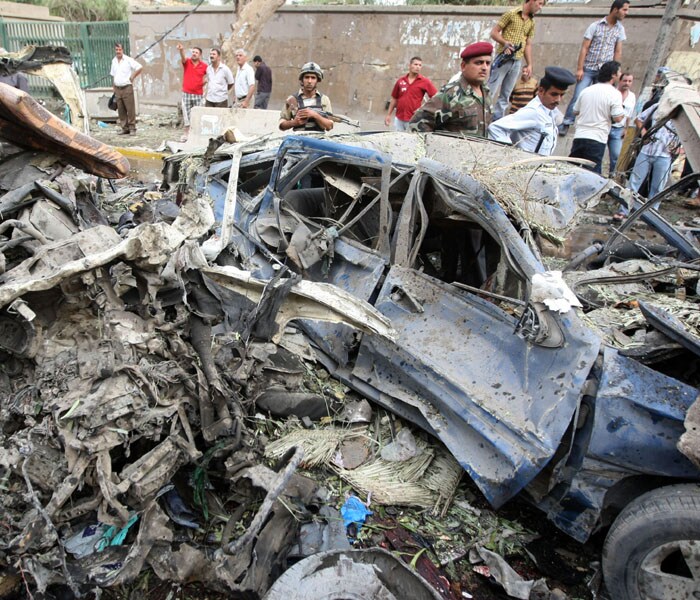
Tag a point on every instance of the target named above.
point(328, 211)
point(500, 402)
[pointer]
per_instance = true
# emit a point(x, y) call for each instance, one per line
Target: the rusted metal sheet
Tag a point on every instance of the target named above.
point(26, 123)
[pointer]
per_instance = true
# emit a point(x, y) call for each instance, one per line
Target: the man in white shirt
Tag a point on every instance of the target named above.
point(596, 109)
point(245, 81)
point(534, 126)
point(124, 70)
point(219, 81)
point(617, 131)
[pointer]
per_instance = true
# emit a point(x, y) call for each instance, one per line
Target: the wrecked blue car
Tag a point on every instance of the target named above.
point(447, 238)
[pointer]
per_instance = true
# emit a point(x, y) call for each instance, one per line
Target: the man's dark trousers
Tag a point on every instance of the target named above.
point(591, 150)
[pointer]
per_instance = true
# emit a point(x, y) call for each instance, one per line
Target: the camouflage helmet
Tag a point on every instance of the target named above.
point(311, 67)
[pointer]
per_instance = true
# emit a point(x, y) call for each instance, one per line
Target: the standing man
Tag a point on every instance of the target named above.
point(602, 42)
point(656, 156)
point(597, 108)
point(301, 111)
point(124, 70)
point(463, 105)
point(263, 82)
point(408, 94)
point(194, 72)
point(516, 27)
point(524, 91)
point(534, 127)
point(617, 131)
point(245, 81)
point(219, 81)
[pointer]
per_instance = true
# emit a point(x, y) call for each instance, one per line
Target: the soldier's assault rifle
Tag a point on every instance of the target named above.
point(293, 104)
point(504, 58)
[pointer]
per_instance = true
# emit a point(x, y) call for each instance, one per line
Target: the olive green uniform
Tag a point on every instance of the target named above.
point(455, 108)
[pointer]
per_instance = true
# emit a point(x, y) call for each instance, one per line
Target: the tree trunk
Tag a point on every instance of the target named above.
point(251, 18)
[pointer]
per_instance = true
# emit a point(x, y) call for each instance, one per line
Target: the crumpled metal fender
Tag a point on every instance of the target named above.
point(307, 300)
point(634, 431)
point(149, 245)
point(639, 417)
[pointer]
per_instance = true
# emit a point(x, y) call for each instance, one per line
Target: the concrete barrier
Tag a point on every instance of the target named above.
point(207, 123)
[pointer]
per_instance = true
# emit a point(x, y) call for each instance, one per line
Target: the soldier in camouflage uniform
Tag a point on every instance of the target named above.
point(463, 105)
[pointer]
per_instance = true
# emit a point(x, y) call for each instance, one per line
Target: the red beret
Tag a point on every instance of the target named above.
point(477, 49)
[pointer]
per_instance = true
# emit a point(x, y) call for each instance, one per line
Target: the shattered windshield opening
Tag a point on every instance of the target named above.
point(344, 196)
point(326, 197)
point(461, 247)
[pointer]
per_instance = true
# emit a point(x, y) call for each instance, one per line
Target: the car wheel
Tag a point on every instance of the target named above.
point(652, 551)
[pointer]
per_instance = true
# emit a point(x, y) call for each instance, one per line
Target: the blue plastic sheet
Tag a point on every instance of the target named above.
point(354, 513)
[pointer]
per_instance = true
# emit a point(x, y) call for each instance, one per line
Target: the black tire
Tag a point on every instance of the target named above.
point(652, 550)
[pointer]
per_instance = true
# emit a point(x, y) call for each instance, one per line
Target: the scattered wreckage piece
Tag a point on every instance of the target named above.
point(31, 58)
point(671, 326)
point(363, 574)
point(55, 64)
point(680, 102)
point(112, 343)
point(689, 442)
point(428, 479)
point(24, 122)
point(303, 300)
point(514, 585)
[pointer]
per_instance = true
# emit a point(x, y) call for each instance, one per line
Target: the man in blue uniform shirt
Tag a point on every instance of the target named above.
point(534, 127)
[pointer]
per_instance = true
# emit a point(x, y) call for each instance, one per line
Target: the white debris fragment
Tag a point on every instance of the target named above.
point(403, 448)
point(551, 289)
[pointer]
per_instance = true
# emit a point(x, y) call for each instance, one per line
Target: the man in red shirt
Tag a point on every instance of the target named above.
point(192, 83)
point(407, 95)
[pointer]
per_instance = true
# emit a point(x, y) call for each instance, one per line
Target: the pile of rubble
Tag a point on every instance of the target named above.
point(133, 374)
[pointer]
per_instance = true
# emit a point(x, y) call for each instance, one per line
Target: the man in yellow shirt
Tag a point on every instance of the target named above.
point(515, 29)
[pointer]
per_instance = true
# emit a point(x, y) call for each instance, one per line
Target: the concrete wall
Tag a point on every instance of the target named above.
point(364, 49)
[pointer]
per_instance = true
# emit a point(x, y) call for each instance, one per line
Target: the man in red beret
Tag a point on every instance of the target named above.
point(463, 105)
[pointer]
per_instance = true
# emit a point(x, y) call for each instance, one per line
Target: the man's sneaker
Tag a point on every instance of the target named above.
point(563, 129)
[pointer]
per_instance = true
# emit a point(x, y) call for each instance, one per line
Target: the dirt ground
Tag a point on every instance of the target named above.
point(566, 565)
point(152, 132)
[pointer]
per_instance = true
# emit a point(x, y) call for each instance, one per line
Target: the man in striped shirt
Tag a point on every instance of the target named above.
point(524, 91)
point(602, 42)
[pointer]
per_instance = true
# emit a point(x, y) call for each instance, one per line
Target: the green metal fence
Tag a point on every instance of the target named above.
point(91, 45)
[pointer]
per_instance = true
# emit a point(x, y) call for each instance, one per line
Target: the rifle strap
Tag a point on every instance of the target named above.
point(539, 143)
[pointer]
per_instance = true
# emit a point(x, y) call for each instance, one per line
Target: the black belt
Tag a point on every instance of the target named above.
point(241, 97)
point(121, 87)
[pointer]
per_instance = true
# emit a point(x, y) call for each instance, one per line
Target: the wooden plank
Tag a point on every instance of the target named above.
point(687, 123)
